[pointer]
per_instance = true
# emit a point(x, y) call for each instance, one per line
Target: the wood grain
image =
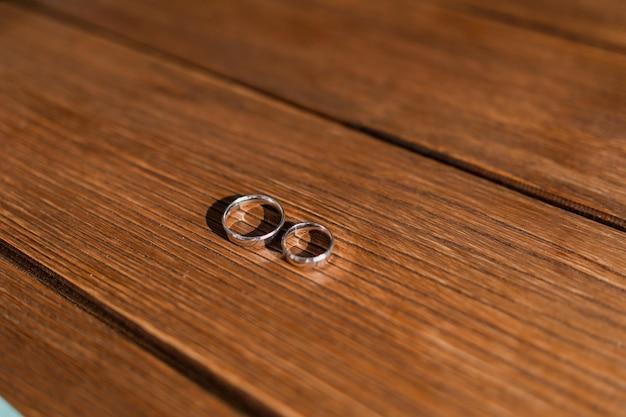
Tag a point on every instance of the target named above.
point(540, 114)
point(601, 23)
point(447, 295)
point(57, 360)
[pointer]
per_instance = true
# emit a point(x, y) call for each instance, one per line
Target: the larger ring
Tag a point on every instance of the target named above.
point(307, 261)
point(252, 241)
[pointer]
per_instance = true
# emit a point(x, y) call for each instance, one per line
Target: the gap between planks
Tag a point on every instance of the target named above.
point(57, 360)
point(534, 26)
point(170, 356)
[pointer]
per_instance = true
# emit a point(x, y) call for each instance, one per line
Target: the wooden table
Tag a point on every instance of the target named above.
point(468, 155)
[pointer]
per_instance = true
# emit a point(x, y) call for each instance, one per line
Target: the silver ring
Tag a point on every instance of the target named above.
point(252, 241)
point(308, 261)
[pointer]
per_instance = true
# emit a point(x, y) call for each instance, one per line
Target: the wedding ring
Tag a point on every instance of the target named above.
point(316, 259)
point(236, 212)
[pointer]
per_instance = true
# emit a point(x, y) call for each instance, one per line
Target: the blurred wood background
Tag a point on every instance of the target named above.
point(469, 156)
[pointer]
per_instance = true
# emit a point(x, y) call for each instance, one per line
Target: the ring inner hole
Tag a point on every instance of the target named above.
point(308, 242)
point(253, 219)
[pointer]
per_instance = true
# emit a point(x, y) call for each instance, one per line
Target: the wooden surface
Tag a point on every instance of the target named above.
point(539, 112)
point(56, 360)
point(447, 295)
point(600, 23)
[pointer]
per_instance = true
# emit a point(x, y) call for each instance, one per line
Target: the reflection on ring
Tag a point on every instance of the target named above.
point(253, 219)
point(319, 244)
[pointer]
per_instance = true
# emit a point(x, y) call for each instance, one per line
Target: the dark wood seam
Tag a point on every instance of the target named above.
point(543, 28)
point(186, 366)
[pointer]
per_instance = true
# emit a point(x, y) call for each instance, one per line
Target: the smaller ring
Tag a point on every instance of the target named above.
point(251, 241)
point(308, 261)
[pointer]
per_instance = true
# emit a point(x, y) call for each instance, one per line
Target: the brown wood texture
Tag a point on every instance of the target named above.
point(601, 23)
point(447, 295)
point(536, 112)
point(57, 360)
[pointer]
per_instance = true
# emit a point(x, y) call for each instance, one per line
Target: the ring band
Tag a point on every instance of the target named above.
point(251, 241)
point(308, 261)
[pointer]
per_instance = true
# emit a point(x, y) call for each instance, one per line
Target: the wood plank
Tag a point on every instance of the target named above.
point(57, 360)
point(601, 23)
point(447, 295)
point(541, 114)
